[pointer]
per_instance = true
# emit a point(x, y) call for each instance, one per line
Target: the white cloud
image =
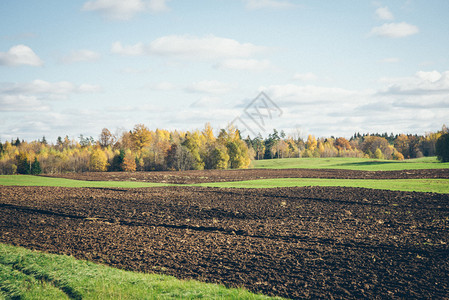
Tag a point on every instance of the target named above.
point(41, 89)
point(309, 94)
point(384, 13)
point(134, 50)
point(125, 10)
point(82, 55)
point(309, 76)
point(158, 5)
point(115, 9)
point(395, 30)
point(21, 103)
point(20, 55)
point(421, 84)
point(208, 47)
point(210, 87)
point(269, 4)
point(245, 64)
point(197, 48)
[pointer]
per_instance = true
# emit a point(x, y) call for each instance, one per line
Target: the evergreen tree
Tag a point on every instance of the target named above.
point(117, 161)
point(36, 167)
point(442, 148)
point(23, 165)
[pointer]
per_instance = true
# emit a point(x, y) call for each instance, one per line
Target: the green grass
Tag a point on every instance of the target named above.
point(416, 185)
point(27, 274)
point(30, 180)
point(411, 185)
point(363, 164)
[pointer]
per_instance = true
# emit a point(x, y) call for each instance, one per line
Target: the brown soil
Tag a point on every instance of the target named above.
point(294, 242)
point(238, 175)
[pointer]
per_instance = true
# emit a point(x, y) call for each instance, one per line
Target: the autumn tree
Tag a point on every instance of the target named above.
point(402, 144)
point(106, 138)
point(372, 143)
point(140, 136)
point(129, 162)
point(311, 143)
point(342, 144)
point(98, 161)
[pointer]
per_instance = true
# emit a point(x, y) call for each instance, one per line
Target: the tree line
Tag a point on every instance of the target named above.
point(141, 149)
point(379, 146)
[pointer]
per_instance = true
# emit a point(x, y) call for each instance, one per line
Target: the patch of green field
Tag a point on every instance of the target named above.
point(416, 185)
point(27, 274)
point(30, 180)
point(411, 185)
point(348, 163)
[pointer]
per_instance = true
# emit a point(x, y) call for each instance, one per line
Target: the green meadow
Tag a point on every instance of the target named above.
point(346, 163)
point(30, 180)
point(410, 185)
point(27, 274)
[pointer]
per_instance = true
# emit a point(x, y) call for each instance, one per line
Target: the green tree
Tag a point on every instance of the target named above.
point(217, 157)
point(238, 154)
point(192, 143)
point(23, 165)
point(117, 161)
point(36, 167)
point(442, 148)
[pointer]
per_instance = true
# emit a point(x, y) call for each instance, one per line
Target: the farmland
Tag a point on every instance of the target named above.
point(293, 242)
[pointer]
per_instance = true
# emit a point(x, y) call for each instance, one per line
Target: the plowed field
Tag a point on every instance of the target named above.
point(293, 242)
point(188, 177)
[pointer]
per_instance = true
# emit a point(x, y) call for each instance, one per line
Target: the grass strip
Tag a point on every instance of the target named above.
point(27, 274)
point(349, 163)
point(30, 180)
point(410, 185)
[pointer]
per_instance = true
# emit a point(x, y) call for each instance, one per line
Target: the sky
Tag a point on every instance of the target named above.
point(326, 68)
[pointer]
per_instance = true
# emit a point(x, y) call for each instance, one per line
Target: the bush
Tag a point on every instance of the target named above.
point(442, 148)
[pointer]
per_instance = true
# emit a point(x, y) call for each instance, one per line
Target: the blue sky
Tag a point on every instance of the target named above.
point(329, 67)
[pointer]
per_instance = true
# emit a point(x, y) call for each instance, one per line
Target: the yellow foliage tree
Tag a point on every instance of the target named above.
point(98, 161)
point(141, 136)
point(311, 143)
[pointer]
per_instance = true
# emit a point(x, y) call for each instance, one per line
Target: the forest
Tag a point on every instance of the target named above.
point(142, 149)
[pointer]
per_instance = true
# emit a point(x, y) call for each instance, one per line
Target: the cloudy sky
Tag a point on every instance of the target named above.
point(326, 67)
